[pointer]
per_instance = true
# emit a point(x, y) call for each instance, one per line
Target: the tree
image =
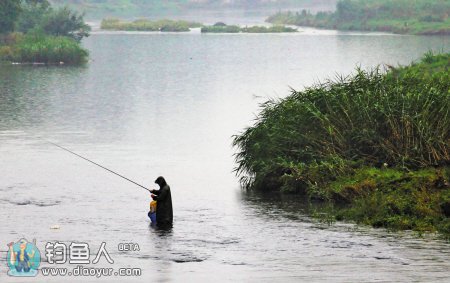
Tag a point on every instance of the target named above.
point(349, 10)
point(9, 12)
point(64, 22)
point(33, 12)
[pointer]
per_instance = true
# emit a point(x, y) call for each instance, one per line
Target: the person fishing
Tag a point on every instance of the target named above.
point(163, 198)
point(164, 212)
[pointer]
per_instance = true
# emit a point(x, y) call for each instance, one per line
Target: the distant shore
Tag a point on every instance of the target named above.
point(401, 17)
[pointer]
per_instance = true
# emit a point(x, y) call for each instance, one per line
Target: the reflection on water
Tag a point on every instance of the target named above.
point(168, 104)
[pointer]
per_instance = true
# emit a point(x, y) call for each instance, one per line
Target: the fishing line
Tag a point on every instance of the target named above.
point(129, 180)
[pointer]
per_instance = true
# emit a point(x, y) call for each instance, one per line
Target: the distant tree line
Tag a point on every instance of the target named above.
point(399, 16)
point(185, 3)
point(108, 8)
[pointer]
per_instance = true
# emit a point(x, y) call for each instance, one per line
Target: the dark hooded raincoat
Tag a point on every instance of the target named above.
point(164, 213)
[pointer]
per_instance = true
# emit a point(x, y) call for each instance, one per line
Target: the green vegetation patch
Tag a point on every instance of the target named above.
point(148, 25)
point(223, 28)
point(35, 32)
point(358, 138)
point(417, 200)
point(43, 49)
point(273, 29)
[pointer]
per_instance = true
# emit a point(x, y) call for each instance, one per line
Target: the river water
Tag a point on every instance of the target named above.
point(150, 104)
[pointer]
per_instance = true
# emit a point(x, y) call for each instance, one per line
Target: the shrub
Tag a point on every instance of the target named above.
point(65, 22)
point(49, 49)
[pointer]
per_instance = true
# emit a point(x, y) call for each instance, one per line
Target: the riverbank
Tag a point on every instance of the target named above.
point(401, 17)
point(376, 145)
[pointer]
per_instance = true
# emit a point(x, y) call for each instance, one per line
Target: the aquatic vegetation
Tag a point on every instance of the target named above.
point(183, 26)
point(222, 28)
point(148, 25)
point(41, 34)
point(44, 49)
point(273, 29)
point(316, 141)
point(397, 16)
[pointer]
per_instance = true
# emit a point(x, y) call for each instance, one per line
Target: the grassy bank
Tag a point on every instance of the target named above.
point(398, 16)
point(373, 141)
point(393, 198)
point(147, 25)
point(45, 49)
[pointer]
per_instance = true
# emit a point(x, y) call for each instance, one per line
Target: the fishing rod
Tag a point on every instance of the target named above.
point(63, 148)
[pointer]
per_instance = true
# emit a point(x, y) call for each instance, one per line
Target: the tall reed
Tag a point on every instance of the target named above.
point(399, 118)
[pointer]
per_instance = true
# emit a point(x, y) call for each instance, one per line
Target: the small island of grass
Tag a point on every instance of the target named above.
point(42, 49)
point(424, 17)
point(35, 33)
point(148, 25)
point(375, 146)
point(223, 28)
point(185, 26)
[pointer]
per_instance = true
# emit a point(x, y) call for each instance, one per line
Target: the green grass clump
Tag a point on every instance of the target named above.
point(415, 200)
point(221, 29)
point(273, 29)
point(316, 141)
point(147, 25)
point(253, 29)
point(44, 49)
point(428, 66)
point(397, 16)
